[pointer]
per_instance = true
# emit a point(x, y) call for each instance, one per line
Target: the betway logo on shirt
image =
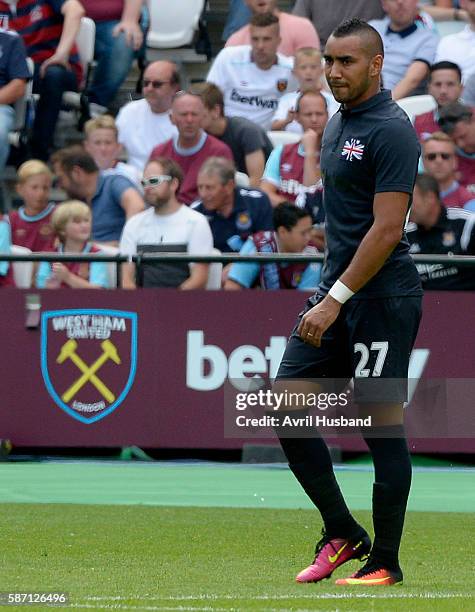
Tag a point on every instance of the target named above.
point(254, 100)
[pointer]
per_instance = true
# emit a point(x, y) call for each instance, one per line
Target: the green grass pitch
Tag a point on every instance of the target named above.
point(170, 558)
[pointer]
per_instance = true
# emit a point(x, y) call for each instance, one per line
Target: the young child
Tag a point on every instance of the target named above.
point(101, 142)
point(31, 223)
point(309, 73)
point(71, 222)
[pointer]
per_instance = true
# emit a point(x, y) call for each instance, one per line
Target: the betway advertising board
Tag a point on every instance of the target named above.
point(150, 367)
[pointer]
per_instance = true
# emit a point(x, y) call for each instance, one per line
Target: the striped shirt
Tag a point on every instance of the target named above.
point(40, 24)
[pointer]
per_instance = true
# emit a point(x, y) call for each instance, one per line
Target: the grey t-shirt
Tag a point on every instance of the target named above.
point(244, 137)
point(326, 16)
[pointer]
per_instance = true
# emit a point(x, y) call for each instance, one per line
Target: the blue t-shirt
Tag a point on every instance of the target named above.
point(247, 273)
point(12, 58)
point(252, 213)
point(108, 216)
point(366, 150)
point(5, 244)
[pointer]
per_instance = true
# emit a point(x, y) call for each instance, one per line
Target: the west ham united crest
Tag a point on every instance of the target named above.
point(282, 85)
point(88, 360)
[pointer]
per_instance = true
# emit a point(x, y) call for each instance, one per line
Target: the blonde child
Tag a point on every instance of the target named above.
point(309, 73)
point(31, 223)
point(71, 222)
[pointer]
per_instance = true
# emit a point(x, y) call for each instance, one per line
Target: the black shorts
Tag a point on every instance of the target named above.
point(371, 341)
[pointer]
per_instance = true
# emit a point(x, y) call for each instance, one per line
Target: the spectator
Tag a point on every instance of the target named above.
point(445, 85)
point(166, 226)
point(326, 16)
point(48, 29)
point(444, 10)
point(469, 91)
point(440, 231)
point(238, 15)
point(460, 47)
point(119, 38)
point(193, 145)
point(14, 72)
point(292, 170)
point(291, 235)
point(309, 73)
point(72, 227)
point(458, 121)
point(409, 47)
point(253, 78)
point(101, 142)
point(6, 271)
point(248, 142)
point(112, 198)
point(144, 124)
point(440, 161)
point(295, 32)
point(233, 213)
point(31, 223)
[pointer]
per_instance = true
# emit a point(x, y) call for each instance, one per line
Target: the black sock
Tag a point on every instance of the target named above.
point(392, 466)
point(310, 461)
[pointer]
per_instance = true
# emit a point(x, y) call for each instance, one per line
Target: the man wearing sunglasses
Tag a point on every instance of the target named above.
point(439, 230)
point(144, 124)
point(167, 226)
point(458, 121)
point(440, 161)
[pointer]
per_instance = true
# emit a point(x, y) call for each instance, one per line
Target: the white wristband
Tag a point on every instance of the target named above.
point(340, 292)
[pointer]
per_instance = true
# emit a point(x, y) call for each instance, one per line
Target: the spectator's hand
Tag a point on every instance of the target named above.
point(60, 272)
point(290, 116)
point(132, 31)
point(224, 274)
point(310, 142)
point(56, 58)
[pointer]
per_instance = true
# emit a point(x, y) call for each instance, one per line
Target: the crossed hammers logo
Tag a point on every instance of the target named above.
point(68, 351)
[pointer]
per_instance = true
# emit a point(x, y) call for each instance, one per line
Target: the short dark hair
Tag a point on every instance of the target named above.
point(264, 20)
point(358, 27)
point(288, 215)
point(453, 113)
point(446, 65)
point(426, 183)
point(170, 167)
point(310, 92)
point(72, 156)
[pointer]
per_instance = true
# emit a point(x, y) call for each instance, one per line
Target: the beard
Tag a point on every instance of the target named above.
point(158, 202)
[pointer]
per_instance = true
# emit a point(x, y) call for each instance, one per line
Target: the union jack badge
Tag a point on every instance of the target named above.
point(353, 149)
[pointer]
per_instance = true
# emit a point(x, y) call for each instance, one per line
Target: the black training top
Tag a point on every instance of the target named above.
point(368, 149)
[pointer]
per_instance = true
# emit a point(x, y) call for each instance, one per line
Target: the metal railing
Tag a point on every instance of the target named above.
point(224, 258)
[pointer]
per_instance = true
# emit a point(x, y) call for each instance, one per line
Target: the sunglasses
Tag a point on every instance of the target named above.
point(155, 84)
point(444, 156)
point(154, 181)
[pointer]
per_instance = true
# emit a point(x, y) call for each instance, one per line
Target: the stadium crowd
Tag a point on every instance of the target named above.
point(230, 164)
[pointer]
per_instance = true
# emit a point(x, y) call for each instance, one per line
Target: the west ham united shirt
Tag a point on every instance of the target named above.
point(249, 91)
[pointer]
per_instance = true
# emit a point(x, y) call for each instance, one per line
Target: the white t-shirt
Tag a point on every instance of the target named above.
point(140, 130)
point(289, 101)
point(127, 170)
point(184, 227)
point(460, 49)
point(249, 91)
